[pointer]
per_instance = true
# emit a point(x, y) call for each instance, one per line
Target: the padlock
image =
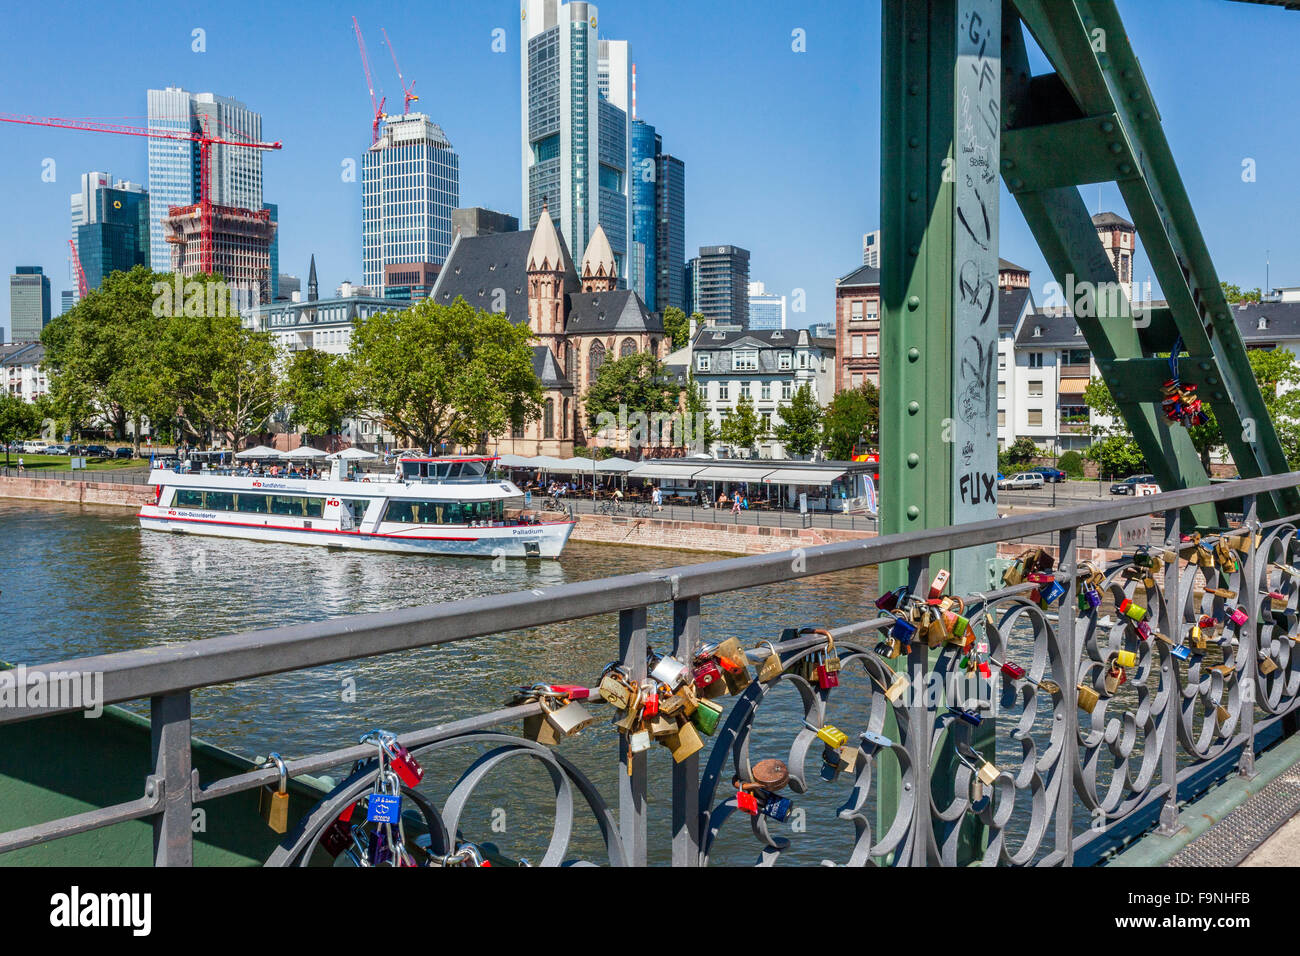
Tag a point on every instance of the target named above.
point(661, 726)
point(747, 802)
point(1088, 698)
point(1267, 665)
point(1143, 630)
point(831, 736)
point(1113, 678)
point(568, 719)
point(938, 584)
point(404, 765)
point(337, 837)
point(1014, 573)
point(771, 667)
point(1092, 595)
point(1181, 651)
point(685, 743)
point(889, 648)
point(1051, 594)
point(773, 806)
point(1132, 611)
point(985, 772)
point(1125, 658)
point(830, 763)
point(848, 755)
point(903, 631)
point(891, 599)
point(708, 679)
point(733, 660)
point(650, 701)
point(936, 633)
point(669, 670)
point(1222, 593)
point(1040, 578)
point(770, 774)
point(273, 801)
point(972, 717)
point(897, 687)
point(879, 741)
point(690, 701)
point(639, 741)
point(705, 717)
point(672, 705)
point(615, 687)
point(1237, 616)
point(1012, 670)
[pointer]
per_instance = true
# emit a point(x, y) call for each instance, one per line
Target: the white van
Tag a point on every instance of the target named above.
point(34, 447)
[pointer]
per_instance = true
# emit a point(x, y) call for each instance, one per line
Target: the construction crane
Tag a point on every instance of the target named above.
point(205, 140)
point(377, 105)
point(408, 92)
point(82, 287)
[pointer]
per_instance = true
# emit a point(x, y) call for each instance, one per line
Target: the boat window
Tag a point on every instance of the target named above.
point(297, 507)
point(357, 506)
point(314, 507)
point(188, 498)
point(398, 511)
point(219, 500)
point(413, 469)
point(251, 504)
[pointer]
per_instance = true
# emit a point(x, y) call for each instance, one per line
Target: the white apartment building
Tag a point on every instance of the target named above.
point(766, 366)
point(21, 373)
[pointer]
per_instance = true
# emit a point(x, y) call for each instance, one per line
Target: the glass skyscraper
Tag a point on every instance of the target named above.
point(115, 234)
point(174, 164)
point(721, 280)
point(576, 138)
point(766, 309)
point(29, 303)
point(670, 232)
point(646, 146)
point(410, 185)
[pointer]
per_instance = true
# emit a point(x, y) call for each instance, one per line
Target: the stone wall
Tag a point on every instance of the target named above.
point(77, 492)
point(704, 536)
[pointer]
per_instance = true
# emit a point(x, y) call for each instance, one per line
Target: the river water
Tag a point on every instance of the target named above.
point(76, 581)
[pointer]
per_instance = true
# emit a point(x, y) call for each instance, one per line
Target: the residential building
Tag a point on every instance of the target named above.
point(174, 171)
point(578, 316)
point(21, 372)
point(477, 221)
point(29, 303)
point(857, 329)
point(720, 280)
point(766, 309)
point(410, 185)
point(765, 366)
point(575, 135)
point(1014, 306)
point(871, 249)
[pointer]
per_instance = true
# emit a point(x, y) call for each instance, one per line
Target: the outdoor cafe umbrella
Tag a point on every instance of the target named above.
point(260, 451)
point(352, 454)
point(304, 452)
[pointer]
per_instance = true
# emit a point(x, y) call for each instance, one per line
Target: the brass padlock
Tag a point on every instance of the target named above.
point(630, 718)
point(734, 662)
point(688, 698)
point(1267, 665)
point(1014, 574)
point(1088, 698)
point(615, 687)
point(848, 754)
point(897, 687)
point(935, 632)
point(273, 802)
point(684, 743)
point(771, 667)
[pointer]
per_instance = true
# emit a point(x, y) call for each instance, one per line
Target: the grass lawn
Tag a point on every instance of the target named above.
point(60, 462)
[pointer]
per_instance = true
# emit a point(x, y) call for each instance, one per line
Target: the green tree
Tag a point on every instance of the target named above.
point(1117, 456)
point(18, 419)
point(1234, 294)
point(801, 423)
point(1020, 452)
point(629, 387)
point(1072, 464)
point(677, 326)
point(444, 373)
point(742, 429)
point(318, 391)
point(851, 419)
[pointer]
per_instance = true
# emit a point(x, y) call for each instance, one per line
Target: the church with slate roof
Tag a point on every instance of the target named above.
point(579, 319)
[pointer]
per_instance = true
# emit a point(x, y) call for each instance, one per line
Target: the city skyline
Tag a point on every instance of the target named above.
point(745, 181)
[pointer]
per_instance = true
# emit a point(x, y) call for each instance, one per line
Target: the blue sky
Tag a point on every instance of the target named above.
point(781, 148)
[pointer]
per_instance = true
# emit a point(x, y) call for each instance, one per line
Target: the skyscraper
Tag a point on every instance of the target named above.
point(410, 185)
point(576, 138)
point(721, 284)
point(110, 227)
point(29, 303)
point(871, 249)
point(642, 273)
point(670, 232)
point(174, 175)
point(274, 210)
point(766, 309)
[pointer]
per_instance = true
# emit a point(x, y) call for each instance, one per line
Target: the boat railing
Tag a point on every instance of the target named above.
point(1042, 753)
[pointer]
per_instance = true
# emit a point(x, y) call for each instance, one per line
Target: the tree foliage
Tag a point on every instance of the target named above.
point(638, 383)
point(742, 429)
point(1117, 457)
point(851, 419)
point(318, 391)
point(677, 326)
point(18, 419)
point(801, 423)
point(1234, 294)
point(444, 373)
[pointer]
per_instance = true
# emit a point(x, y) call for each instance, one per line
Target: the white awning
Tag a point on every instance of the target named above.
point(615, 465)
point(655, 469)
point(260, 451)
point(545, 463)
point(731, 473)
point(579, 466)
point(513, 461)
point(803, 476)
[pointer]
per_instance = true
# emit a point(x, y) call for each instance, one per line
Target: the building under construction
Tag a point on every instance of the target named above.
point(241, 245)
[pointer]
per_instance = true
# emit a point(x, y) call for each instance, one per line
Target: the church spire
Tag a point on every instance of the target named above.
point(312, 292)
point(599, 268)
point(544, 253)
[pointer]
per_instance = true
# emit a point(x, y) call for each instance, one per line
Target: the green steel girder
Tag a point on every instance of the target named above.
point(1051, 144)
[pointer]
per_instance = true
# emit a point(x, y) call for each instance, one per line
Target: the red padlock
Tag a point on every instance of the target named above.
point(747, 802)
point(404, 765)
point(1012, 670)
point(650, 707)
point(571, 691)
point(707, 674)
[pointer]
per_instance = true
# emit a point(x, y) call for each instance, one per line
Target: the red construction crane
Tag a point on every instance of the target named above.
point(205, 140)
point(408, 92)
point(82, 287)
point(378, 105)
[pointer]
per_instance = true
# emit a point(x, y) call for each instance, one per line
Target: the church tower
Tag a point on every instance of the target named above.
point(545, 279)
point(599, 270)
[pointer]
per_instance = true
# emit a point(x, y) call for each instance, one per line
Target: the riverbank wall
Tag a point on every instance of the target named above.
point(77, 492)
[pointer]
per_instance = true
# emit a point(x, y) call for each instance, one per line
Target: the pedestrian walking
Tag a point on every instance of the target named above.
point(658, 499)
point(735, 505)
point(20, 464)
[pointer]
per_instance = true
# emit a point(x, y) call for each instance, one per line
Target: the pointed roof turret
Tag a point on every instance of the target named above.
point(544, 254)
point(598, 261)
point(311, 280)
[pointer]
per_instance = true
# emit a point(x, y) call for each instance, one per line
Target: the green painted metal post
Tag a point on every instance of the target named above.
point(940, 127)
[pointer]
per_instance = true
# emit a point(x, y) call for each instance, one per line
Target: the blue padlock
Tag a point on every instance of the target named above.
point(903, 630)
point(1181, 651)
point(970, 716)
point(878, 740)
point(778, 808)
point(384, 808)
point(1052, 593)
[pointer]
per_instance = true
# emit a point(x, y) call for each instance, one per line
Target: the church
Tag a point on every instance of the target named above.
point(579, 319)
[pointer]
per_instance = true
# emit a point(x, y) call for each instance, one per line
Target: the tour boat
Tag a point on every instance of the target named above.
point(453, 506)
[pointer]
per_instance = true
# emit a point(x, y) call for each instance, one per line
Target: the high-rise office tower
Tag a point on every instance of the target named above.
point(642, 273)
point(110, 227)
point(274, 210)
point(576, 138)
point(410, 185)
point(871, 249)
point(721, 284)
point(236, 171)
point(29, 303)
point(670, 231)
point(766, 309)
point(477, 221)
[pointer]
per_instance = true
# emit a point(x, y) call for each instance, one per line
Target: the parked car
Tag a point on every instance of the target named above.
point(1024, 479)
point(1126, 487)
point(35, 447)
point(98, 451)
point(124, 453)
point(56, 450)
point(1050, 474)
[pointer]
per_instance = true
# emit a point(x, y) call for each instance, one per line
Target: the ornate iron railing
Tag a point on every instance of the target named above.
point(1109, 716)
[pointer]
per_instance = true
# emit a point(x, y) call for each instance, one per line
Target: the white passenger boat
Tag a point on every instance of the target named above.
point(450, 506)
